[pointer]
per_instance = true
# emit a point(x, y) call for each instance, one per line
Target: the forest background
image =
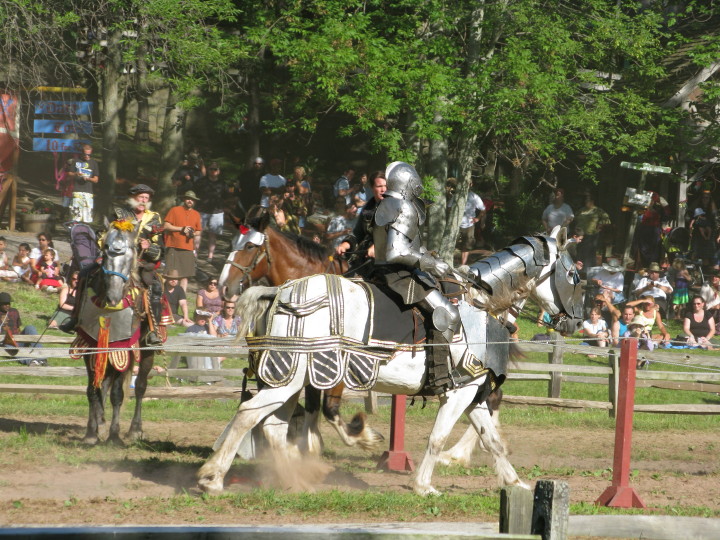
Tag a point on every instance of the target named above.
point(512, 95)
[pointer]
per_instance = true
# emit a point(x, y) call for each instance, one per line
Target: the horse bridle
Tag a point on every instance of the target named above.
point(260, 255)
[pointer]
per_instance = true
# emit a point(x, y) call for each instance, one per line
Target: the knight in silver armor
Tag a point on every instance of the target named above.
point(408, 269)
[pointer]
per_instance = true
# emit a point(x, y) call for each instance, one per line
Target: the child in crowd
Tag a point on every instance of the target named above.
point(21, 263)
point(49, 272)
point(6, 272)
point(595, 329)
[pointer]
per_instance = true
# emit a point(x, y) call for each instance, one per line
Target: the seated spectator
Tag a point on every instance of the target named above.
point(10, 322)
point(48, 272)
point(711, 294)
point(22, 265)
point(638, 329)
point(209, 298)
point(698, 324)
point(226, 324)
point(177, 300)
point(201, 324)
point(66, 302)
point(657, 287)
point(6, 271)
point(36, 254)
point(611, 281)
point(648, 312)
point(620, 326)
point(595, 329)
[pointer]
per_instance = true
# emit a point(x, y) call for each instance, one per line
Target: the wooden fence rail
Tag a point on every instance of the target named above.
point(555, 372)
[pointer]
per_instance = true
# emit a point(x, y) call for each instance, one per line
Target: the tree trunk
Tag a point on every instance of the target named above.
point(437, 166)
point(142, 93)
point(253, 120)
point(171, 153)
point(112, 104)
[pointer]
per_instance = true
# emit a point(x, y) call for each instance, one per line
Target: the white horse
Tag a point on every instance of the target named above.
point(317, 332)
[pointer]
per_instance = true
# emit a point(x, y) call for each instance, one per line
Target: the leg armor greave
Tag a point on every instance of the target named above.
point(445, 315)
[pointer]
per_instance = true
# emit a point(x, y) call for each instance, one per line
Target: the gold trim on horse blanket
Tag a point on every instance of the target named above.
point(83, 347)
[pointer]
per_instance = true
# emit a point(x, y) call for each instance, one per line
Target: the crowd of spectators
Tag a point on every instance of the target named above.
point(627, 301)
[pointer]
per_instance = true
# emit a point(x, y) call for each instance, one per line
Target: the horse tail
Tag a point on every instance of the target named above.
point(253, 305)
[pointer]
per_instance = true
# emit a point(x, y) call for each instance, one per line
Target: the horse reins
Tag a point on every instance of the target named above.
point(259, 256)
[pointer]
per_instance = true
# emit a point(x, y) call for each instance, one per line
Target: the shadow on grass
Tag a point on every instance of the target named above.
point(40, 428)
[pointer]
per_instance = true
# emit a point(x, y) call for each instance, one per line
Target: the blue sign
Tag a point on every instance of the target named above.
point(58, 145)
point(61, 127)
point(67, 108)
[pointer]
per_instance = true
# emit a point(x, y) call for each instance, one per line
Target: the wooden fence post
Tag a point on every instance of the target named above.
point(551, 509)
point(516, 510)
point(620, 494)
point(555, 357)
point(397, 459)
point(613, 381)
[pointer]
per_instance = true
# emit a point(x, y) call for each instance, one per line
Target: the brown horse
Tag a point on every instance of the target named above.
point(265, 253)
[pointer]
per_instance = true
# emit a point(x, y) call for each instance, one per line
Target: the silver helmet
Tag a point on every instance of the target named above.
point(403, 181)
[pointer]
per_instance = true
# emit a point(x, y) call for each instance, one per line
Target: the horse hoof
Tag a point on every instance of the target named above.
point(426, 491)
point(371, 440)
point(115, 440)
point(90, 440)
point(134, 436)
point(212, 485)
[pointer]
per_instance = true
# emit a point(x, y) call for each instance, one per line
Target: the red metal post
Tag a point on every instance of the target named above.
point(397, 459)
point(620, 494)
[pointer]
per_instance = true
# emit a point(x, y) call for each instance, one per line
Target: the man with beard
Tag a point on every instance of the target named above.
point(148, 242)
point(182, 234)
point(360, 241)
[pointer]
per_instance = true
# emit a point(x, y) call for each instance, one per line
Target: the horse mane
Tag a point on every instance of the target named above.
point(498, 302)
point(308, 248)
point(253, 304)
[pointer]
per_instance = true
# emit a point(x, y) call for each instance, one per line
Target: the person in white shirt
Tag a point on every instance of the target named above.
point(557, 213)
point(474, 212)
point(611, 281)
point(657, 287)
point(272, 182)
point(595, 329)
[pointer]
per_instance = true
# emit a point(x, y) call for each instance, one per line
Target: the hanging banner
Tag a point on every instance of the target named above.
point(67, 108)
point(9, 131)
point(62, 127)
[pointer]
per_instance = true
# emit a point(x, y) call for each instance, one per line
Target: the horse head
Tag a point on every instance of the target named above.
point(558, 289)
point(247, 262)
point(118, 260)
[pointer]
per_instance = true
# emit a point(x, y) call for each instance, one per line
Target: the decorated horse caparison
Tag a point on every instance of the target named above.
point(111, 321)
point(261, 252)
point(325, 329)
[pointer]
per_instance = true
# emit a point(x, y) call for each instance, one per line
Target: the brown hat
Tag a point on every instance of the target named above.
point(190, 195)
point(214, 165)
point(172, 274)
point(654, 267)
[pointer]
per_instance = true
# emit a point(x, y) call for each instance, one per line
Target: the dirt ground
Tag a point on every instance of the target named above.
point(48, 486)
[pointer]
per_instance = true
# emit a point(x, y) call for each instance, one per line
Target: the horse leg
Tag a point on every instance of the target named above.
point(96, 405)
point(452, 405)
point(311, 440)
point(147, 358)
point(461, 452)
point(117, 394)
point(490, 436)
point(249, 414)
point(357, 432)
point(275, 428)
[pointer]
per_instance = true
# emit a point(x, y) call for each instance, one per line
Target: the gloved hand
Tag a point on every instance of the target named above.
point(436, 267)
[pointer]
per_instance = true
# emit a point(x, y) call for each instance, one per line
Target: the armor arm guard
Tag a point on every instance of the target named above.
point(401, 251)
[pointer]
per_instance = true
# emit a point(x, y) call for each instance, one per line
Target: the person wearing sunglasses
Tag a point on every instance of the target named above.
point(698, 324)
point(209, 298)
